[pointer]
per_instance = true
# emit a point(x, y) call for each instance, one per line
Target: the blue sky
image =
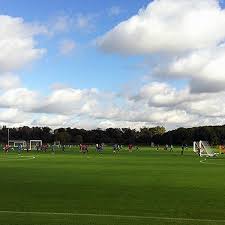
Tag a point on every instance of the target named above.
point(97, 64)
point(83, 68)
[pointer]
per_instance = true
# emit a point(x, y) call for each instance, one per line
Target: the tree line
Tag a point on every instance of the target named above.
point(145, 136)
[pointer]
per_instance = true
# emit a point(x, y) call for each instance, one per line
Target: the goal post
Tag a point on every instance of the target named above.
point(16, 143)
point(203, 149)
point(34, 144)
point(195, 146)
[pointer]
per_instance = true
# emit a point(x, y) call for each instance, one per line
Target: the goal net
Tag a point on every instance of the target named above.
point(35, 144)
point(16, 143)
point(203, 149)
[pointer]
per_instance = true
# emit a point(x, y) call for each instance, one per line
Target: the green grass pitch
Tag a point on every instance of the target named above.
point(138, 188)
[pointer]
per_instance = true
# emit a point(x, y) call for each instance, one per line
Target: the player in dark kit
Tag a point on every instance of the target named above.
point(182, 149)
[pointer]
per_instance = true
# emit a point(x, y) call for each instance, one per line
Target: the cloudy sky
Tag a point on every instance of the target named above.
point(97, 64)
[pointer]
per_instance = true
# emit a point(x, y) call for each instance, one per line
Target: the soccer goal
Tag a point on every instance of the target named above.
point(16, 143)
point(35, 144)
point(203, 149)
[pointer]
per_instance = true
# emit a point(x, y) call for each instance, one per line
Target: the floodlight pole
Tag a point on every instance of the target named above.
point(8, 136)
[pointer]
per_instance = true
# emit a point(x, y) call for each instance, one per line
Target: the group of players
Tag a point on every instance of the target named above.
point(39, 148)
point(100, 147)
point(84, 148)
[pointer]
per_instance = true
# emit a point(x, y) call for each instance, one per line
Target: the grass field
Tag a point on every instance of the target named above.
point(145, 187)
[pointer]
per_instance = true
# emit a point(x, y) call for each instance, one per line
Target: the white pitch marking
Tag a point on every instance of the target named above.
point(205, 162)
point(20, 157)
point(112, 215)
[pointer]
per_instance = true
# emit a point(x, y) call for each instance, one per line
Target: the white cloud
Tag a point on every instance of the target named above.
point(180, 106)
point(168, 26)
point(68, 101)
point(189, 32)
point(19, 98)
point(122, 124)
point(154, 104)
point(17, 44)
point(12, 116)
point(52, 121)
point(162, 95)
point(203, 69)
point(9, 81)
point(66, 47)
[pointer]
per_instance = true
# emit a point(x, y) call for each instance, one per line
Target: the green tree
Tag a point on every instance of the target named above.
point(78, 139)
point(63, 137)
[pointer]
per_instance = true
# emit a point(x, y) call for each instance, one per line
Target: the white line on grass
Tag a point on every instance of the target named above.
point(25, 156)
point(205, 162)
point(17, 158)
point(112, 215)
